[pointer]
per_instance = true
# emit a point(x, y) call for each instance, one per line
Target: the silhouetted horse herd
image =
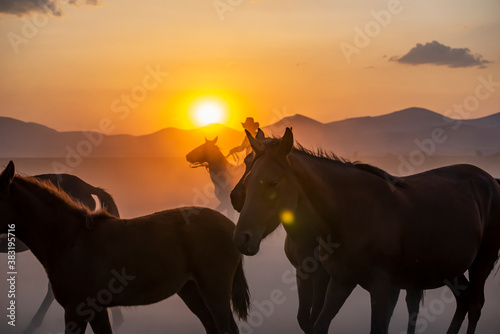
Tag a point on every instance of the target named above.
point(361, 226)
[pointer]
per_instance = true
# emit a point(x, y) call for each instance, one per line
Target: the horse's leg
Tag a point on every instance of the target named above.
point(320, 284)
point(413, 298)
point(380, 295)
point(478, 272)
point(74, 323)
point(393, 302)
point(117, 317)
point(305, 292)
point(100, 324)
point(191, 297)
point(460, 291)
point(336, 295)
point(42, 310)
point(216, 292)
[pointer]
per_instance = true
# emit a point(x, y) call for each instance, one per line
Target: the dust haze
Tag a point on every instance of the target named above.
point(144, 185)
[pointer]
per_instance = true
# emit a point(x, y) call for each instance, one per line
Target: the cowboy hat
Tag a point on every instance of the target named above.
point(250, 124)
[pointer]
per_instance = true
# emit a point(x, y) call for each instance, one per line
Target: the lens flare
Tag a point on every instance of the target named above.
point(287, 217)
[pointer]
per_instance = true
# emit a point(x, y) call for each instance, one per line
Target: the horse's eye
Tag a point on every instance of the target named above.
point(273, 184)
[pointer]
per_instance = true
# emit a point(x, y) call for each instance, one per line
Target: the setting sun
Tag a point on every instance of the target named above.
point(210, 110)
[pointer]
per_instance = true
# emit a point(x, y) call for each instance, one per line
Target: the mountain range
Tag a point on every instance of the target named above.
point(401, 132)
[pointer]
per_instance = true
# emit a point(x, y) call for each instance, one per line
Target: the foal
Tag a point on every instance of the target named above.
point(126, 262)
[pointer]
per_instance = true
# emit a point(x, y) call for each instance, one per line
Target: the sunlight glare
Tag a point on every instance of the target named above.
point(208, 111)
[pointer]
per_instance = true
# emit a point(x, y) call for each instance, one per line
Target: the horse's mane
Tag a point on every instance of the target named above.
point(60, 195)
point(330, 156)
point(323, 154)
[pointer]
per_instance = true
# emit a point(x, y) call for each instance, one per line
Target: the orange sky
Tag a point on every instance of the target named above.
point(266, 58)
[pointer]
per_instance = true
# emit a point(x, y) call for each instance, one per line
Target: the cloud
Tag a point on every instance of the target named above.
point(25, 7)
point(438, 54)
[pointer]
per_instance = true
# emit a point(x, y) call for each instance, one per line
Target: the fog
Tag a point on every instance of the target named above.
point(142, 186)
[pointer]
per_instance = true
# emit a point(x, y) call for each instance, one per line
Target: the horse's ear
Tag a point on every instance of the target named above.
point(260, 135)
point(7, 176)
point(257, 146)
point(206, 140)
point(215, 140)
point(89, 222)
point(286, 143)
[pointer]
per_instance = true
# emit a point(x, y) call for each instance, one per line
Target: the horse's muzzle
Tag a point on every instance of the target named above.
point(246, 244)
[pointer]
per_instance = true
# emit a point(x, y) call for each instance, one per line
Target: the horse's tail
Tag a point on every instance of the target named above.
point(107, 201)
point(422, 296)
point(240, 294)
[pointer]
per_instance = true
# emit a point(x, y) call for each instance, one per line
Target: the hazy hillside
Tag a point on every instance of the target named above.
point(21, 139)
point(400, 132)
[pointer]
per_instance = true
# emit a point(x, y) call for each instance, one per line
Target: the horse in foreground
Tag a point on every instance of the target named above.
point(301, 247)
point(418, 232)
point(126, 262)
point(223, 174)
point(82, 192)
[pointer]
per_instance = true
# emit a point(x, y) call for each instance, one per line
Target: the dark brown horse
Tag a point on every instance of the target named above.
point(126, 262)
point(223, 174)
point(301, 247)
point(418, 232)
point(82, 192)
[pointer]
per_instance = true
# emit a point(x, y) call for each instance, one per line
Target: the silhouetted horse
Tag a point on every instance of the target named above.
point(82, 192)
point(301, 247)
point(126, 262)
point(418, 232)
point(223, 174)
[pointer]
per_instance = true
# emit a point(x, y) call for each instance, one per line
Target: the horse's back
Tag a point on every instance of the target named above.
point(447, 208)
point(188, 233)
point(455, 183)
point(452, 173)
point(170, 228)
point(208, 235)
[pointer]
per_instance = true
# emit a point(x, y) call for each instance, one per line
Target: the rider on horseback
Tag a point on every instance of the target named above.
point(251, 126)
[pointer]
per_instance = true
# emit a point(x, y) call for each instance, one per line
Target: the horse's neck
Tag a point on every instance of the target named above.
point(307, 225)
point(220, 171)
point(44, 225)
point(217, 162)
point(330, 190)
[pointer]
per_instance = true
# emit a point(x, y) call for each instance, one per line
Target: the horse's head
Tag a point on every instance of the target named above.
point(238, 194)
point(271, 193)
point(201, 155)
point(6, 206)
